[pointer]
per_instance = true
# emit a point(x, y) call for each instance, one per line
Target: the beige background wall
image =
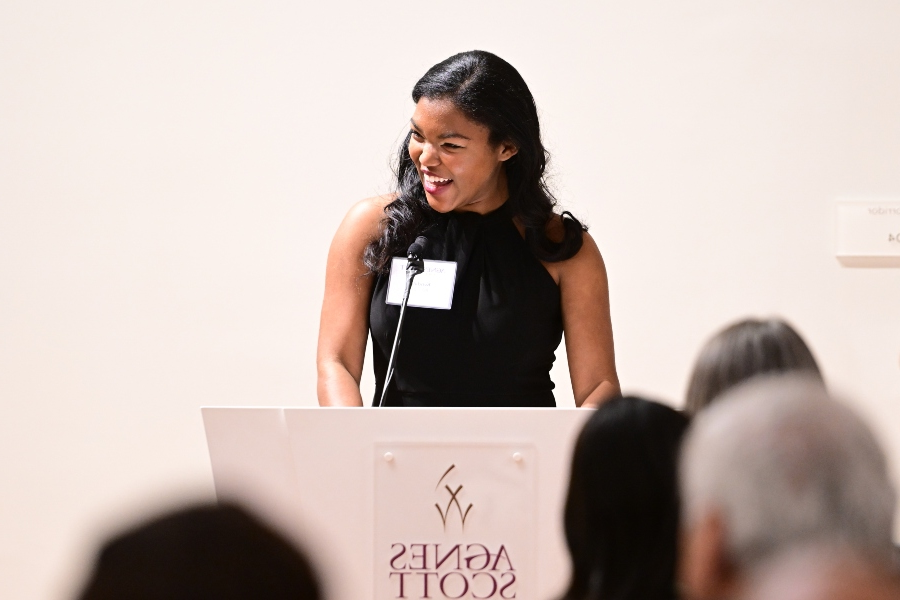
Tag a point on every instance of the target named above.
point(171, 174)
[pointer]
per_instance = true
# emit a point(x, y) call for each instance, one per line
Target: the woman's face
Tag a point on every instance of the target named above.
point(460, 168)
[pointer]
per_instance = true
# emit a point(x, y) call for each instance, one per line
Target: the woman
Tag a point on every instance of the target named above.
point(471, 179)
point(621, 517)
point(743, 350)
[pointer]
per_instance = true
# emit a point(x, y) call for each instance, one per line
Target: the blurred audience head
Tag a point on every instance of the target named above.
point(743, 350)
point(823, 573)
point(205, 552)
point(776, 464)
point(621, 515)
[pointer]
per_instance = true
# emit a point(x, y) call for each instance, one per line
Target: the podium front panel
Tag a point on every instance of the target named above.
point(408, 503)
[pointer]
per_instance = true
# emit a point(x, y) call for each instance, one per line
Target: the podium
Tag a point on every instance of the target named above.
point(394, 503)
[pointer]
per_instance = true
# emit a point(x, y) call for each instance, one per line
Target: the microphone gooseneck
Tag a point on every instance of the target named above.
point(414, 266)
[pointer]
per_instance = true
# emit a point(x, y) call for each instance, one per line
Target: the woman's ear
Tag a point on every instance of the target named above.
point(507, 151)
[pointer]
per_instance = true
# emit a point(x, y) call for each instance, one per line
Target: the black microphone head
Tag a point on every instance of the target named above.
point(417, 248)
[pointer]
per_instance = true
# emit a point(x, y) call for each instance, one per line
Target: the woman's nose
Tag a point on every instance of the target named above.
point(429, 156)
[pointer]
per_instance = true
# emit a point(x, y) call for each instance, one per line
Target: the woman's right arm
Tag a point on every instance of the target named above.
point(343, 328)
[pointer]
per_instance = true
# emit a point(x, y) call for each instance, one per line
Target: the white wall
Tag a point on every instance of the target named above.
point(171, 174)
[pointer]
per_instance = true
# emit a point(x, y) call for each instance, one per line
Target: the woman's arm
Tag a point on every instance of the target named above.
point(584, 292)
point(343, 328)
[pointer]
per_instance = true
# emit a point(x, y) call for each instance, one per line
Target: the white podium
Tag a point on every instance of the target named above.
point(408, 503)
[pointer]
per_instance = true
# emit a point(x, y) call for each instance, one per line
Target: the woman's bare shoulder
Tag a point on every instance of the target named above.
point(586, 261)
point(369, 210)
point(364, 218)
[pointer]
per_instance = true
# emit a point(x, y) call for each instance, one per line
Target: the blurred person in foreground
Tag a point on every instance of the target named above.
point(621, 515)
point(824, 573)
point(201, 553)
point(772, 466)
point(744, 350)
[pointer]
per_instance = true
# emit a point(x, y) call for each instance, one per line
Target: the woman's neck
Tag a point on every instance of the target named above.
point(491, 199)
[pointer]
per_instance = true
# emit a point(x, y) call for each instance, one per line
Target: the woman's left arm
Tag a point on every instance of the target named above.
point(584, 293)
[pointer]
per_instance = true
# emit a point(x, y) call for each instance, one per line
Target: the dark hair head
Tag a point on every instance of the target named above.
point(207, 552)
point(743, 350)
point(621, 517)
point(489, 91)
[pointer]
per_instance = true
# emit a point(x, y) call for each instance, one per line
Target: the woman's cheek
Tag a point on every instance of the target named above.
point(415, 151)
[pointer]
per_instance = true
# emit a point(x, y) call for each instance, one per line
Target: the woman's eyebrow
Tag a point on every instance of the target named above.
point(443, 136)
point(451, 134)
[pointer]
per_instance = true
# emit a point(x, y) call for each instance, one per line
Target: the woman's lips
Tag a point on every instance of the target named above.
point(434, 184)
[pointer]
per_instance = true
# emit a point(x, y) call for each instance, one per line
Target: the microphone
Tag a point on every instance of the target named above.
point(414, 266)
point(417, 248)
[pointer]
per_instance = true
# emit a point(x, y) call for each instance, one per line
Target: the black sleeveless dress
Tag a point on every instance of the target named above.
point(496, 344)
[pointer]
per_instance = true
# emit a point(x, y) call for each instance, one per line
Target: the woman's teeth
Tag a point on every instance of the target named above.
point(436, 180)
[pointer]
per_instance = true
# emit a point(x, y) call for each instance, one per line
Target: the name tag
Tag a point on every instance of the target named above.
point(431, 289)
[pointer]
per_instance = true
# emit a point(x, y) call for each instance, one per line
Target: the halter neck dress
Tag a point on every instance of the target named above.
point(496, 344)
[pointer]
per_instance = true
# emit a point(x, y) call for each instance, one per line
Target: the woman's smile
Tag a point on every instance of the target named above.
point(434, 184)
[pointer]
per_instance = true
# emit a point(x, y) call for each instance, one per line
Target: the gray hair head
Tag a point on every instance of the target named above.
point(784, 464)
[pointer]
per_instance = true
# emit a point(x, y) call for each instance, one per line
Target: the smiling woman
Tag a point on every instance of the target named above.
point(459, 167)
point(470, 178)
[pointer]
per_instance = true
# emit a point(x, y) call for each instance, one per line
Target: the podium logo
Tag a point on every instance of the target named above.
point(451, 570)
point(452, 501)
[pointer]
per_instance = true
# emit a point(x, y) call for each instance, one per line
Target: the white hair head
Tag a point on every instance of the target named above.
point(784, 464)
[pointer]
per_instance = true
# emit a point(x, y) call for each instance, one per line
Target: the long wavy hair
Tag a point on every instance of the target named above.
point(489, 91)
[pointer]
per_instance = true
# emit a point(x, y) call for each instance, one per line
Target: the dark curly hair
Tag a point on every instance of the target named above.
point(489, 91)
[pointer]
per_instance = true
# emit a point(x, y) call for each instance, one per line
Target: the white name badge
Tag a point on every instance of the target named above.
point(431, 289)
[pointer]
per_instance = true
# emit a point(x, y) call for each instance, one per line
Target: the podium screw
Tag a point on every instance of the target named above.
point(388, 456)
point(517, 456)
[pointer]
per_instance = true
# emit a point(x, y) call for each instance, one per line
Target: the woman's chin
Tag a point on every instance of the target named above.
point(439, 203)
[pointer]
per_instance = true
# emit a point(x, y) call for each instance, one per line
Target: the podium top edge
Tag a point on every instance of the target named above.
point(396, 408)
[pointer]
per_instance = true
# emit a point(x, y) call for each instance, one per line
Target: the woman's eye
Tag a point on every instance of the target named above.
point(452, 146)
point(417, 136)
